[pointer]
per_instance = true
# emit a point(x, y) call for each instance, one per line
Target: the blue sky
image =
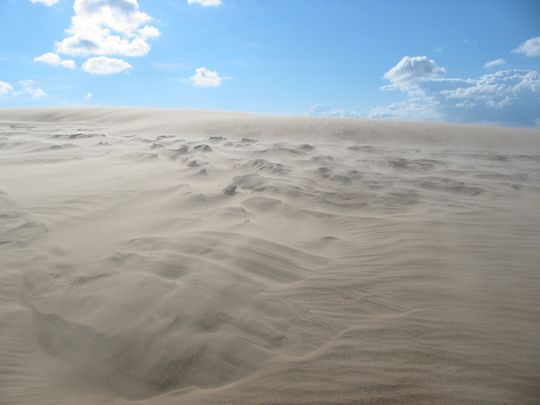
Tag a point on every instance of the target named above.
point(464, 61)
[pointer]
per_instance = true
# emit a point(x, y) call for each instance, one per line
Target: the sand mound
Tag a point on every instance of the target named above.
point(171, 257)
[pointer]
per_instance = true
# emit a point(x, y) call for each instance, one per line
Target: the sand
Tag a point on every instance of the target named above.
point(177, 257)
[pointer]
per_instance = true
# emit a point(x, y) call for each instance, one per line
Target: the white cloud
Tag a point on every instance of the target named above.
point(102, 65)
point(530, 47)
point(27, 88)
point(46, 2)
point(494, 63)
point(5, 88)
point(55, 60)
point(497, 90)
point(508, 96)
point(108, 27)
point(88, 96)
point(205, 3)
point(206, 78)
point(411, 70)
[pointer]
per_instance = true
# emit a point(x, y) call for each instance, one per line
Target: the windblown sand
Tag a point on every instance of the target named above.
point(173, 257)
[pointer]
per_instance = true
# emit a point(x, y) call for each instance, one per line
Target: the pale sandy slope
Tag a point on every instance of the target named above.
point(356, 262)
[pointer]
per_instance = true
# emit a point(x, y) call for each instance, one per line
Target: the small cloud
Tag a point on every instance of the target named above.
point(530, 47)
point(205, 3)
point(5, 88)
point(27, 87)
point(494, 63)
point(88, 96)
point(39, 93)
point(206, 78)
point(45, 2)
point(53, 59)
point(411, 70)
point(102, 65)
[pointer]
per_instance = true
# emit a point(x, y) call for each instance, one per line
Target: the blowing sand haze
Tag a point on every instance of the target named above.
point(175, 257)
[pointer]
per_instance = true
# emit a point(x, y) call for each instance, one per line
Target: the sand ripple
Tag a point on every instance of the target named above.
point(208, 258)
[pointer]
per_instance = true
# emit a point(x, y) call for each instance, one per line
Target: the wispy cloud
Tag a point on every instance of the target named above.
point(28, 88)
point(325, 110)
point(23, 88)
point(46, 2)
point(5, 88)
point(494, 63)
point(416, 109)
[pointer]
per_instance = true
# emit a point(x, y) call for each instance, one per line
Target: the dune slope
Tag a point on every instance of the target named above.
point(166, 257)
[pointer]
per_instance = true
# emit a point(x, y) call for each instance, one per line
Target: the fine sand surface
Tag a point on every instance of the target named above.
point(176, 257)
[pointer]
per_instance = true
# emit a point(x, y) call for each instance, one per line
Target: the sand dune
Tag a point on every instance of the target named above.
point(177, 257)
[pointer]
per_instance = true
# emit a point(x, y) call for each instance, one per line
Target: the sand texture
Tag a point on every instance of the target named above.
point(176, 257)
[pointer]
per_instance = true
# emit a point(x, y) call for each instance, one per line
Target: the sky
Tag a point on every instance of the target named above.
point(459, 61)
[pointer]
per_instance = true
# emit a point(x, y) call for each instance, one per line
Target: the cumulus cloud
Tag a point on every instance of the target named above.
point(206, 78)
point(508, 96)
point(46, 2)
point(530, 47)
point(103, 65)
point(5, 88)
point(494, 63)
point(410, 71)
point(108, 27)
point(205, 3)
point(52, 58)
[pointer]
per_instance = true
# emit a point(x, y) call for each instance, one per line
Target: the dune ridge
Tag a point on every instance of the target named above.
point(165, 257)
